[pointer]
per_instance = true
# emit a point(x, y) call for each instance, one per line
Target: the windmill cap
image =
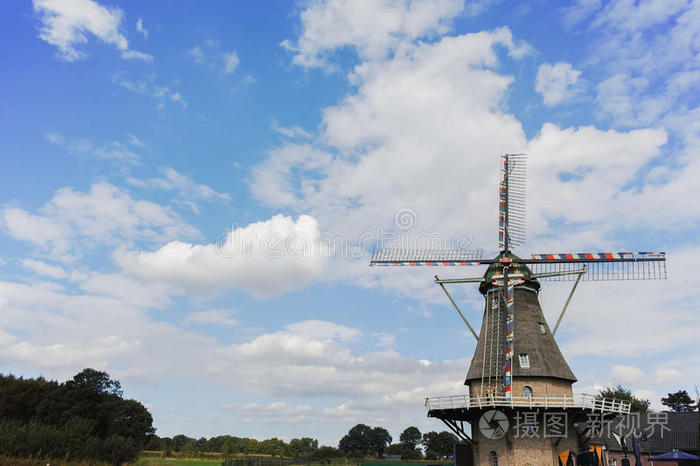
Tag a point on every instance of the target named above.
point(495, 270)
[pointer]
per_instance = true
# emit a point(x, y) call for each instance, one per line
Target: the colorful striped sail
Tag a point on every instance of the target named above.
point(599, 256)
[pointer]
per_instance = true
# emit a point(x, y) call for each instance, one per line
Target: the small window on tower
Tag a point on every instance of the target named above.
point(494, 458)
point(543, 330)
point(524, 361)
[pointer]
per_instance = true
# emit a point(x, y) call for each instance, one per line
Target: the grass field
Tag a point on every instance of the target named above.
point(151, 461)
point(144, 461)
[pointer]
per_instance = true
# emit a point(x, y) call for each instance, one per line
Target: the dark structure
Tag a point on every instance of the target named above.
point(518, 379)
point(680, 431)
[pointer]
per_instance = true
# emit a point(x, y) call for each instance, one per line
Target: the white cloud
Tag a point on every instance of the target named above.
point(297, 362)
point(109, 150)
point(417, 106)
point(292, 132)
point(647, 53)
point(66, 23)
point(188, 192)
point(231, 61)
point(210, 54)
point(213, 316)
point(136, 293)
point(197, 54)
point(278, 412)
point(134, 141)
point(264, 258)
point(104, 216)
point(42, 268)
point(579, 11)
point(45, 330)
point(385, 340)
point(556, 82)
point(372, 28)
point(589, 170)
point(627, 374)
point(161, 94)
point(95, 352)
point(141, 29)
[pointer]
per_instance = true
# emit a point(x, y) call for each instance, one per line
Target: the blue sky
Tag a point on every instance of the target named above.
point(144, 144)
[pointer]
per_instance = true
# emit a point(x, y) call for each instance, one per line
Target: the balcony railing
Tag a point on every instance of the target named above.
point(593, 403)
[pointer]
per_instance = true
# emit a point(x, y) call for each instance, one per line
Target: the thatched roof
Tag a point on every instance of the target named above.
point(543, 352)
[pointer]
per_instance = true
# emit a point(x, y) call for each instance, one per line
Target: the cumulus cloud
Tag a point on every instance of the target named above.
point(420, 105)
point(556, 82)
point(264, 258)
point(40, 327)
point(372, 28)
point(105, 215)
point(67, 23)
point(298, 362)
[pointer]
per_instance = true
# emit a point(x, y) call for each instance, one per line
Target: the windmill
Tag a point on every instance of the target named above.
point(513, 322)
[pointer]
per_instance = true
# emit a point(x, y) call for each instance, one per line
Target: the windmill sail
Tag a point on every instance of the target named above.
point(601, 266)
point(511, 202)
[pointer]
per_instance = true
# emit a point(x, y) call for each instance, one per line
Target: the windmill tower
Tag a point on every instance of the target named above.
point(518, 378)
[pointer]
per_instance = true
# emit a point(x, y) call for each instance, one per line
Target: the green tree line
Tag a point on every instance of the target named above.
point(361, 441)
point(83, 418)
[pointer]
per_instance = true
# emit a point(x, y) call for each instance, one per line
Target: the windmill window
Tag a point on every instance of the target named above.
point(494, 459)
point(527, 391)
point(524, 361)
point(543, 330)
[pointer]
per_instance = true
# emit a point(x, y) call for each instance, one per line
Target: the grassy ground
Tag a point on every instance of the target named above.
point(177, 462)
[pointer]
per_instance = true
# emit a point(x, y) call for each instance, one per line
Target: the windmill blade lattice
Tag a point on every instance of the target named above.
point(511, 202)
point(426, 257)
point(601, 266)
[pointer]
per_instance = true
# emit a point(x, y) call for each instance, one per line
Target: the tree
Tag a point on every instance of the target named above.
point(410, 437)
point(97, 382)
point(380, 440)
point(395, 449)
point(227, 448)
point(85, 418)
point(327, 453)
point(363, 440)
point(638, 405)
point(679, 402)
point(439, 445)
point(303, 447)
point(357, 442)
point(189, 449)
point(414, 454)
